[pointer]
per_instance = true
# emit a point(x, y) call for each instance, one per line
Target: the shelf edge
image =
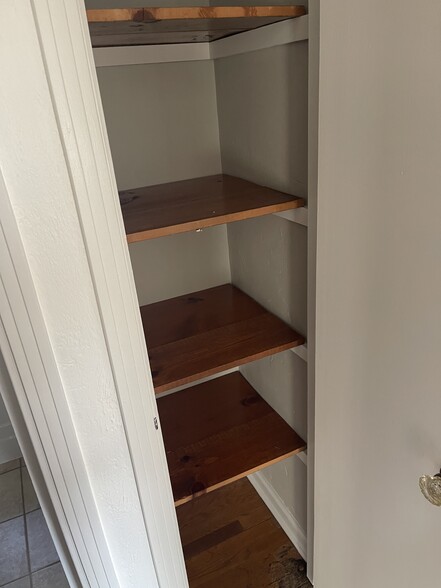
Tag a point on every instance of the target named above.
point(196, 382)
point(205, 373)
point(205, 223)
point(240, 476)
point(149, 54)
point(279, 33)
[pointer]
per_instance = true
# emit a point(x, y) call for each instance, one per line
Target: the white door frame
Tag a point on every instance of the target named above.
point(37, 400)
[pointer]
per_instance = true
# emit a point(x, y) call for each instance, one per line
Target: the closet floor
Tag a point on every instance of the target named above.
point(231, 540)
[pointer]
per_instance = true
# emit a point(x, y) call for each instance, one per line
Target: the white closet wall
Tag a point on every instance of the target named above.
point(163, 127)
point(263, 120)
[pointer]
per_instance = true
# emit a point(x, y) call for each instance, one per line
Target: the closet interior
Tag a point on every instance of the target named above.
point(207, 115)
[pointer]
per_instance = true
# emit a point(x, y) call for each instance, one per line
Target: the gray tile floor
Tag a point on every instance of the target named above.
point(28, 558)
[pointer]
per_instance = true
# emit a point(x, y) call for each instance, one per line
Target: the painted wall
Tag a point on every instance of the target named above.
point(44, 207)
point(163, 127)
point(263, 121)
point(9, 448)
point(378, 368)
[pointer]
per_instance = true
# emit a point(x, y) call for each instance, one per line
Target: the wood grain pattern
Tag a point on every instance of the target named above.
point(162, 32)
point(206, 332)
point(191, 12)
point(151, 26)
point(177, 207)
point(231, 539)
point(218, 432)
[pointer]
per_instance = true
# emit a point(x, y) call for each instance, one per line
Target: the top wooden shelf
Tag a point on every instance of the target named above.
point(158, 26)
point(178, 207)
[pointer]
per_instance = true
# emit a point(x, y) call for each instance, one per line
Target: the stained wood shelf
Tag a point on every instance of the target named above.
point(156, 26)
point(207, 332)
point(189, 205)
point(218, 432)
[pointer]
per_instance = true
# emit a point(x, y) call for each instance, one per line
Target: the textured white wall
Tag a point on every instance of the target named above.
point(163, 127)
point(37, 179)
point(378, 368)
point(193, 261)
point(263, 121)
point(162, 121)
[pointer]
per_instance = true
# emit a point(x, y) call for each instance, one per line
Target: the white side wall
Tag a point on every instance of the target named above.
point(378, 368)
point(263, 116)
point(39, 186)
point(163, 127)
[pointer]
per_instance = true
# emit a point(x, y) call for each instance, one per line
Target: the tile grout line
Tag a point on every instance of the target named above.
point(28, 555)
point(27, 575)
point(17, 517)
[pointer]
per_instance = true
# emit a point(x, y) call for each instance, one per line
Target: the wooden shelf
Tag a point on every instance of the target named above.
point(178, 207)
point(218, 432)
point(157, 26)
point(204, 333)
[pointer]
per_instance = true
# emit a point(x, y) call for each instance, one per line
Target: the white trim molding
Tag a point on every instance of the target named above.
point(147, 54)
point(279, 33)
point(77, 102)
point(60, 217)
point(280, 511)
point(32, 367)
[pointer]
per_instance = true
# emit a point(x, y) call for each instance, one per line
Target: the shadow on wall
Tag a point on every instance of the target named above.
point(9, 448)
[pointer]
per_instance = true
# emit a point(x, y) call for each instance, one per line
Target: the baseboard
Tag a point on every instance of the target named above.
point(280, 512)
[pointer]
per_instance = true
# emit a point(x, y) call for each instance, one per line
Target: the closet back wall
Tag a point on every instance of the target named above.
point(163, 127)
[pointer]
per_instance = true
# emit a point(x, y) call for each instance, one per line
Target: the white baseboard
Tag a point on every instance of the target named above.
point(280, 512)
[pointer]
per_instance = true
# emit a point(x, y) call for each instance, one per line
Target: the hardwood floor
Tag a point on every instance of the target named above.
point(231, 540)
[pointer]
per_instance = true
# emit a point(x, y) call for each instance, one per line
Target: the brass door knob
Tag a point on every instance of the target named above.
point(431, 488)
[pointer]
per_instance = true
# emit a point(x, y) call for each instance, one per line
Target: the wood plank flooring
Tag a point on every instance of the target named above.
point(231, 540)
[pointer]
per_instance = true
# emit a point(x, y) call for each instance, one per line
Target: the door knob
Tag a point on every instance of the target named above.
point(431, 488)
